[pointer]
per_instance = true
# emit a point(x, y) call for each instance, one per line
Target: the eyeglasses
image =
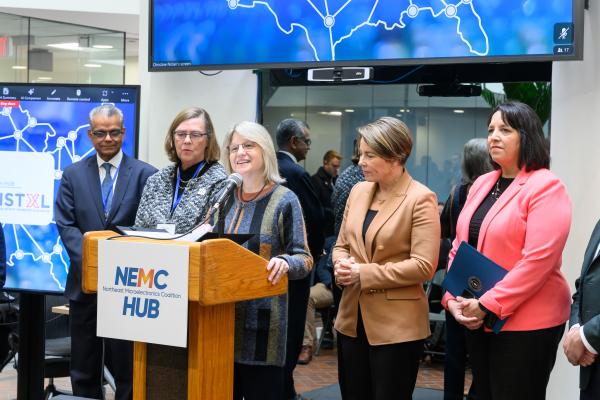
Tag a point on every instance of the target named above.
point(194, 135)
point(248, 146)
point(115, 133)
point(305, 140)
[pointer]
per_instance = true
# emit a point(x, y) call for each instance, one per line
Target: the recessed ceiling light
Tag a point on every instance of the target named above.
point(459, 111)
point(349, 110)
point(65, 46)
point(335, 113)
point(103, 46)
point(44, 78)
point(92, 65)
point(19, 67)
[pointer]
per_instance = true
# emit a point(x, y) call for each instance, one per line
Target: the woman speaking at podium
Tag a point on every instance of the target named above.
point(179, 196)
point(264, 207)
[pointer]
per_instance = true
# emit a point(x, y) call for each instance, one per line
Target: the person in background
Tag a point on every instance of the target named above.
point(341, 190)
point(582, 343)
point(323, 182)
point(293, 140)
point(343, 185)
point(179, 196)
point(321, 296)
point(387, 248)
point(97, 193)
point(475, 162)
point(519, 217)
point(262, 202)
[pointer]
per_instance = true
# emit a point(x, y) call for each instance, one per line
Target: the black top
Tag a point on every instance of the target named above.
point(323, 184)
point(186, 175)
point(452, 208)
point(484, 208)
point(368, 219)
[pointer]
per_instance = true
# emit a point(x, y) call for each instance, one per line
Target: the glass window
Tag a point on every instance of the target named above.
point(13, 48)
point(46, 51)
point(439, 125)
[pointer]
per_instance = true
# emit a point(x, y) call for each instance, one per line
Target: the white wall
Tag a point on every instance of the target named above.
point(576, 159)
point(132, 71)
point(229, 97)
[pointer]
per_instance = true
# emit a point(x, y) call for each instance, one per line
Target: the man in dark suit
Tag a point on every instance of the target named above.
point(97, 193)
point(583, 339)
point(293, 140)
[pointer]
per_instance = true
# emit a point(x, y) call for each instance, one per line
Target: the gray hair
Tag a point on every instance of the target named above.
point(476, 160)
point(107, 110)
point(258, 134)
point(289, 128)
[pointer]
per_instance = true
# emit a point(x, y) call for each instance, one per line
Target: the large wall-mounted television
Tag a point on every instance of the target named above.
point(43, 129)
point(238, 34)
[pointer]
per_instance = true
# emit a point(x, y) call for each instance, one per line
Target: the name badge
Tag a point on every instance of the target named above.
point(167, 227)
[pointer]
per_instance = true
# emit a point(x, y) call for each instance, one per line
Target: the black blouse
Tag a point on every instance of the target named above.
point(368, 219)
point(484, 208)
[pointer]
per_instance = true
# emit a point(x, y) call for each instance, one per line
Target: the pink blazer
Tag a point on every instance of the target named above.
point(525, 232)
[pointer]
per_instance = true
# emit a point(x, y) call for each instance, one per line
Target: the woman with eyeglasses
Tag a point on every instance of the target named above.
point(262, 205)
point(179, 196)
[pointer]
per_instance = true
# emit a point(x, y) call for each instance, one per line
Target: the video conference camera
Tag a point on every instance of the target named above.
point(340, 74)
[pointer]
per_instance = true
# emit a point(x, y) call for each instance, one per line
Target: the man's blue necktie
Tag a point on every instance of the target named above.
point(107, 185)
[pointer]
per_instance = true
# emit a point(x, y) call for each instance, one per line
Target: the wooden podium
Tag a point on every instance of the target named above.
point(220, 273)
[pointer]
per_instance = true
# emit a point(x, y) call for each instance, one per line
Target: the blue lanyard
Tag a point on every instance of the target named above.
point(105, 199)
point(176, 196)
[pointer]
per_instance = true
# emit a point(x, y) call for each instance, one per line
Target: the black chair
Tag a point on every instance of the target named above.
point(57, 346)
point(328, 317)
point(9, 340)
point(434, 344)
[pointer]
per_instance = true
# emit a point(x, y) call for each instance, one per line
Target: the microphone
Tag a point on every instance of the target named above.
point(231, 183)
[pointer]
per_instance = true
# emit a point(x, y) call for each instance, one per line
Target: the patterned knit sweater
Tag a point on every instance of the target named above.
point(261, 325)
point(199, 195)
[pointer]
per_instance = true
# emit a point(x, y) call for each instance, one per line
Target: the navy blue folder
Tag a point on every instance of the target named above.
point(472, 274)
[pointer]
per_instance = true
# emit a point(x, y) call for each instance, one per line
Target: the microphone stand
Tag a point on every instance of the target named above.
point(221, 220)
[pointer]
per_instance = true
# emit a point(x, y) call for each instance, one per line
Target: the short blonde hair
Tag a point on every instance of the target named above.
point(212, 152)
point(330, 155)
point(258, 134)
point(388, 137)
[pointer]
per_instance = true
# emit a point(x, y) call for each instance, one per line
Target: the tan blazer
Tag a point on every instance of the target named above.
point(399, 253)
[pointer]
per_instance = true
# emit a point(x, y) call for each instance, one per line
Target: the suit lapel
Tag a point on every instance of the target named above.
point(121, 187)
point(386, 211)
point(590, 254)
point(93, 183)
point(513, 189)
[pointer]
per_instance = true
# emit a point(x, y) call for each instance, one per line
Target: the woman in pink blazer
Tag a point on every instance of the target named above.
point(518, 216)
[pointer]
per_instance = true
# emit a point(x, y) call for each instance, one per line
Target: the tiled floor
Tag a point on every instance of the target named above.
point(322, 371)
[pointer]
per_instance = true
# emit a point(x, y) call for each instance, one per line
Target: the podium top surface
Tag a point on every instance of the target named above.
point(220, 271)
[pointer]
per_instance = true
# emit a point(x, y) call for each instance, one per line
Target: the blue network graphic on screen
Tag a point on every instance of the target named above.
point(246, 32)
point(51, 120)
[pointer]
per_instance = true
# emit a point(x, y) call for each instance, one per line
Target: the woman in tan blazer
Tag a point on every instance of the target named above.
point(387, 247)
